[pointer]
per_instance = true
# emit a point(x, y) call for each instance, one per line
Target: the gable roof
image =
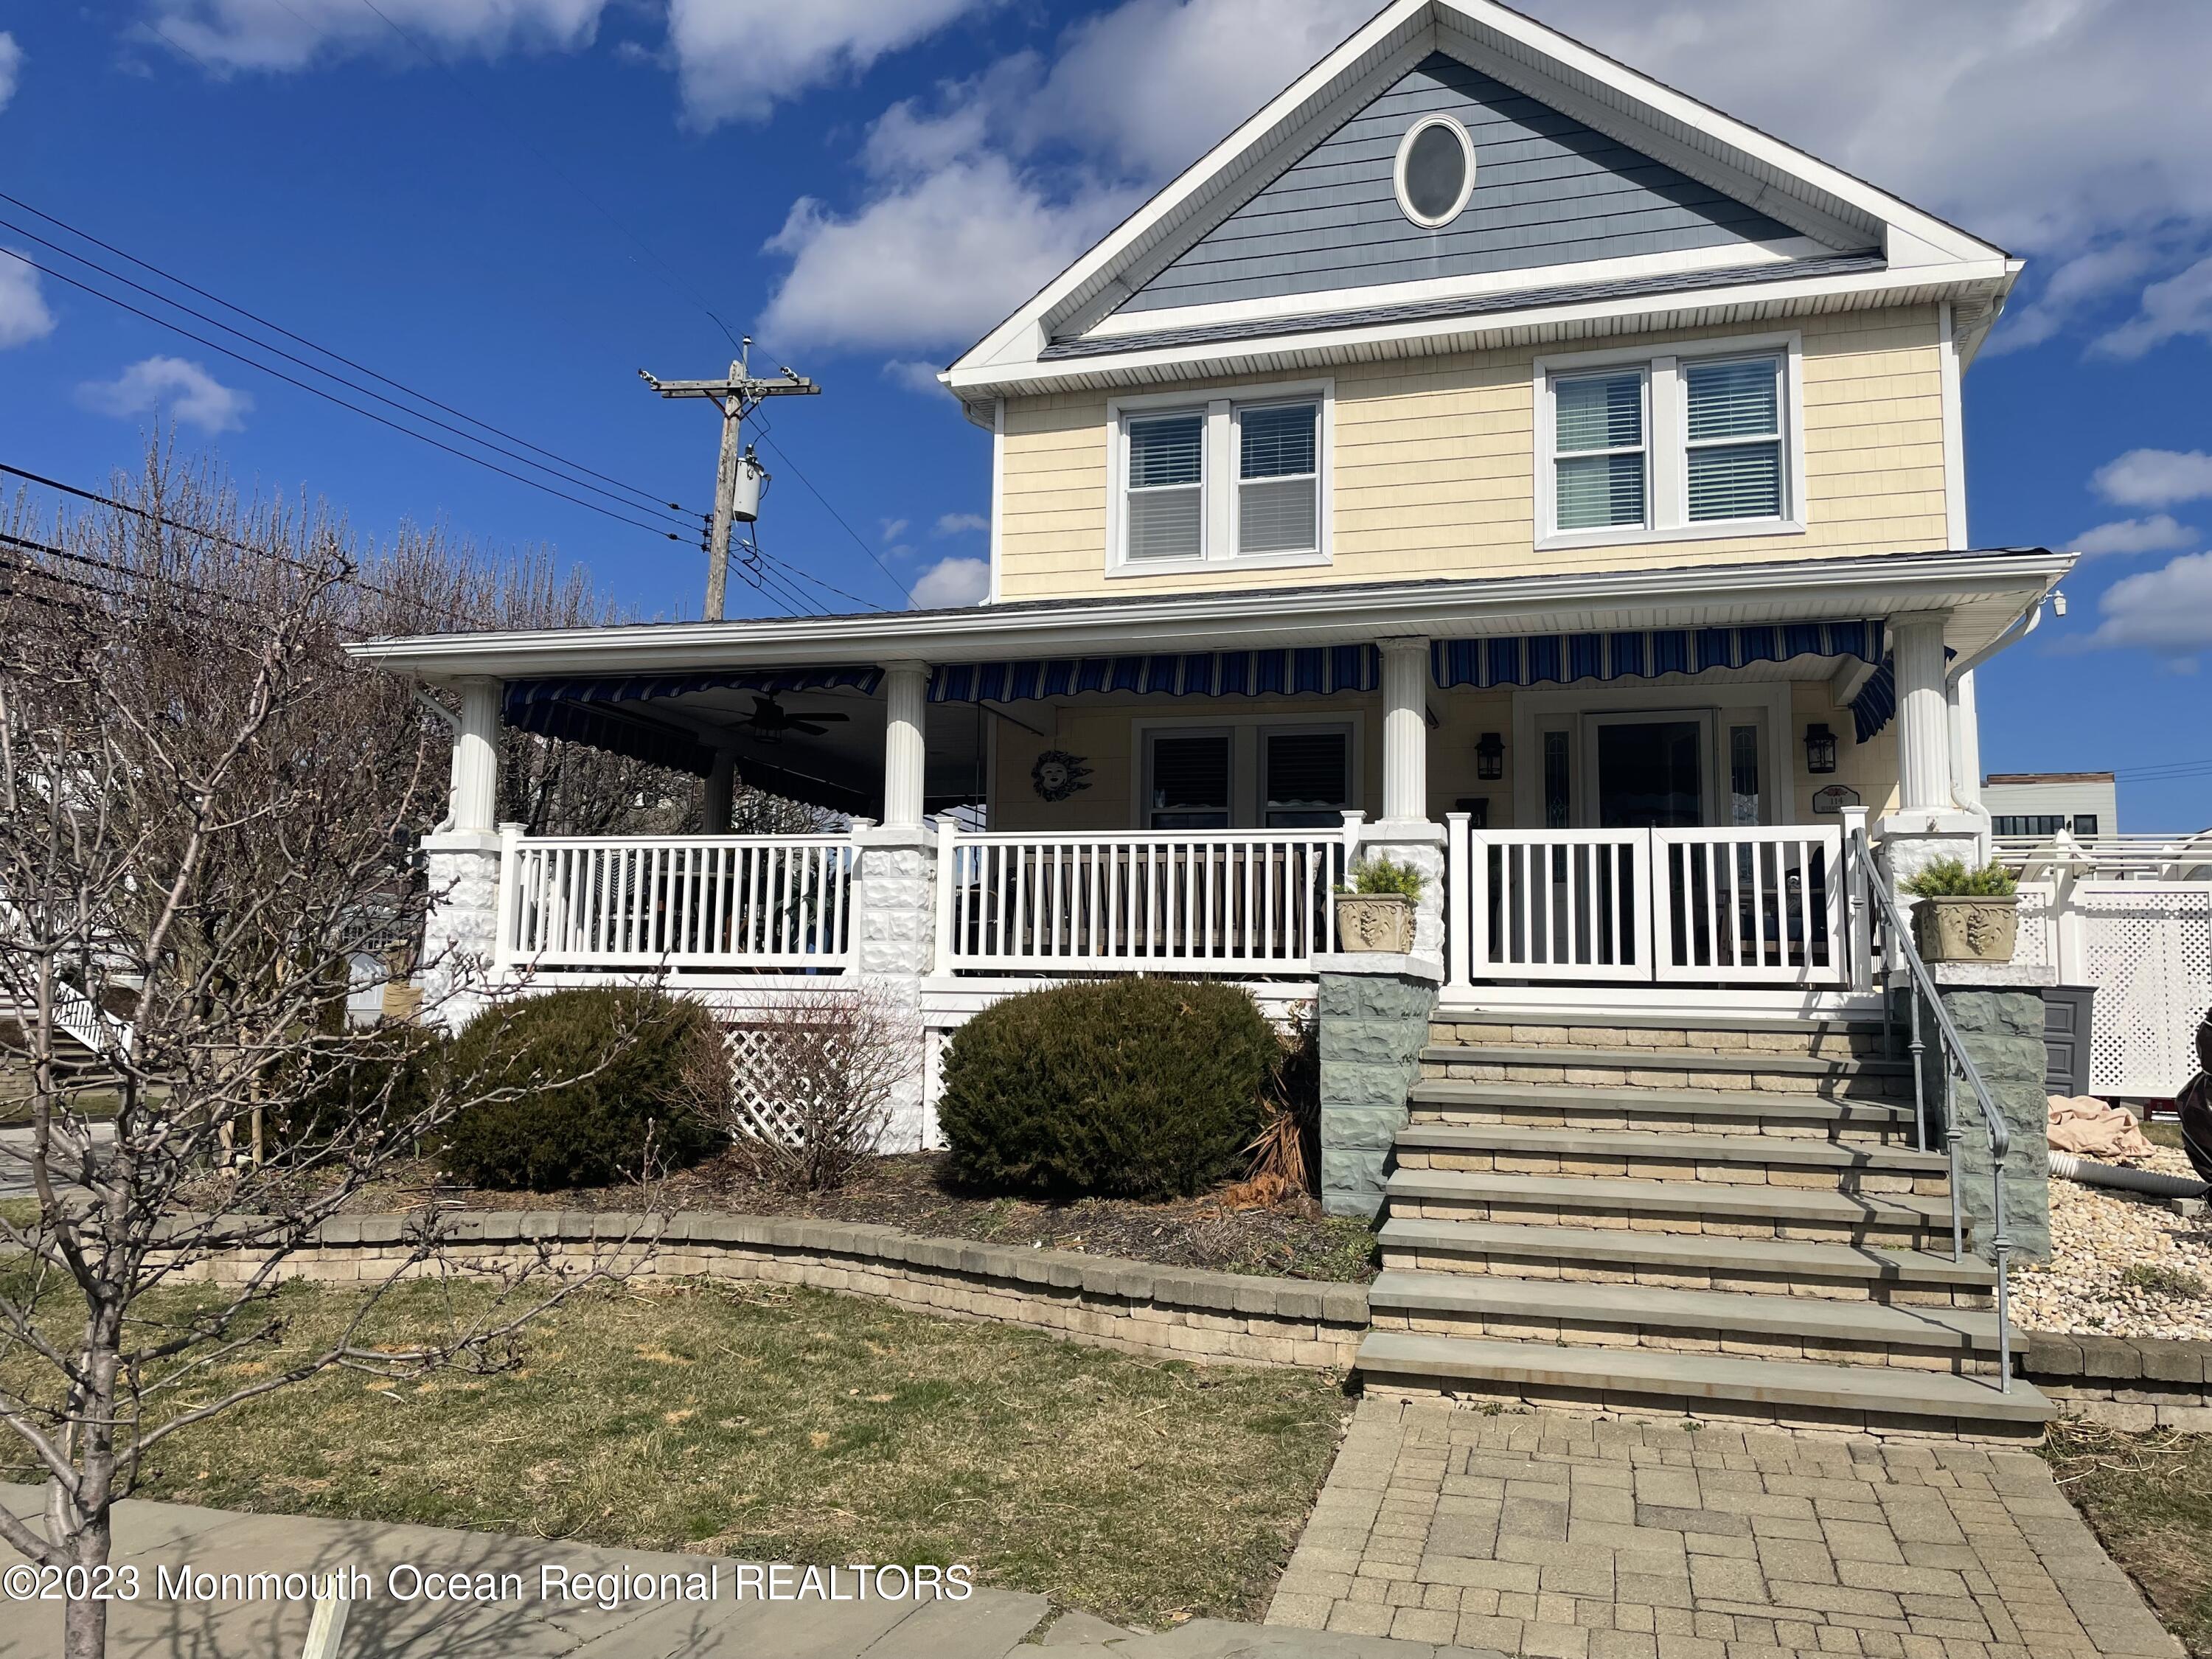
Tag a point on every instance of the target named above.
point(1598, 191)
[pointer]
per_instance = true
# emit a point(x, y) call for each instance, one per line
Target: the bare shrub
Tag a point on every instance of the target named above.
point(824, 1068)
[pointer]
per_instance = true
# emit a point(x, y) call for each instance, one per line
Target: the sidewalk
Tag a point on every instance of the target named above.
point(1539, 1533)
point(989, 1625)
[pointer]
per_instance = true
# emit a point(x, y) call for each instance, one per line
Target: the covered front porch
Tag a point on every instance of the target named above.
point(1619, 787)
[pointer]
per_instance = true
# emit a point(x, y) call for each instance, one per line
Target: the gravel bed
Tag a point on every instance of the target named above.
point(2120, 1265)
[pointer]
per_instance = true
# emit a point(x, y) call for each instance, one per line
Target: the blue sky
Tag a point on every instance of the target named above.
point(512, 205)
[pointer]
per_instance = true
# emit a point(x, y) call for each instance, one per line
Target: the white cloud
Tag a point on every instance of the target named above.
point(952, 582)
point(916, 374)
point(11, 67)
point(2159, 533)
point(184, 390)
point(2167, 610)
point(292, 34)
point(23, 313)
point(932, 262)
point(736, 58)
point(2154, 477)
point(894, 528)
point(960, 524)
point(2182, 304)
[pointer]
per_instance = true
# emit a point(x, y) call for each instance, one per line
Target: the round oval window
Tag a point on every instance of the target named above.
point(1435, 169)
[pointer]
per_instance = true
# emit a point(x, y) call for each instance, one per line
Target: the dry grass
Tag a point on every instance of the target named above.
point(798, 1425)
point(2149, 1498)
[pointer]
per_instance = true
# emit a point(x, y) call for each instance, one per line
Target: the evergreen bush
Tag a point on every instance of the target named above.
point(590, 1084)
point(1134, 1088)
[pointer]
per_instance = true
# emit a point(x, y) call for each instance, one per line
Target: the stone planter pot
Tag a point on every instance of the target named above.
point(1373, 921)
point(1965, 929)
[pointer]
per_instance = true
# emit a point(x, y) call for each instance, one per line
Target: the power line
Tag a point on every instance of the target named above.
point(316, 391)
point(836, 514)
point(644, 495)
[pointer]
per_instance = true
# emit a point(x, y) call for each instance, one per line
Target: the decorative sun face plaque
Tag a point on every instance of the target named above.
point(1058, 775)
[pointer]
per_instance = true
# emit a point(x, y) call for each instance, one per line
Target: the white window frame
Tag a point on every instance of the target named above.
point(1219, 494)
point(1666, 428)
point(1185, 731)
point(1405, 150)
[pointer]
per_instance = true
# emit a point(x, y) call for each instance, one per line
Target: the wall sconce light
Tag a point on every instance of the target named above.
point(1820, 748)
point(1490, 757)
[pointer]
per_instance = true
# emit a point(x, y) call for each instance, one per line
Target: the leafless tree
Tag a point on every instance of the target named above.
point(202, 804)
point(818, 1078)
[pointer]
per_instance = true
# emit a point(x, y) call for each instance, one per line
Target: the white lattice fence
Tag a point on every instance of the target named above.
point(2147, 946)
point(759, 1092)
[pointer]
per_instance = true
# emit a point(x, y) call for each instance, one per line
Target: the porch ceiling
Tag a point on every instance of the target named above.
point(1984, 591)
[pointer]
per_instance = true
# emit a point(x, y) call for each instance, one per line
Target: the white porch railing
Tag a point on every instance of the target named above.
point(771, 901)
point(1206, 902)
point(1726, 907)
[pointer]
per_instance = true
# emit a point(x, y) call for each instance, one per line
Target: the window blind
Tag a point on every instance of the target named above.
point(1278, 504)
point(1599, 481)
point(1732, 401)
point(1166, 471)
point(1190, 781)
point(1306, 768)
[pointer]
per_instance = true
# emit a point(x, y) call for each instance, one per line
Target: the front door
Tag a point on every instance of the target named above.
point(1650, 770)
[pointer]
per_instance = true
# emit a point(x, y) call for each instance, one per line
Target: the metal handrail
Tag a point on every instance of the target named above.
point(1897, 946)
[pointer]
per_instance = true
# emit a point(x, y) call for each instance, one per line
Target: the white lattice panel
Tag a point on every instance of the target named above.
point(2039, 921)
point(2147, 946)
point(763, 1103)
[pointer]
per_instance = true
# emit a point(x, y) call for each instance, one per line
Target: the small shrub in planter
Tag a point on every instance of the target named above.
point(592, 1082)
point(1965, 915)
point(1133, 1088)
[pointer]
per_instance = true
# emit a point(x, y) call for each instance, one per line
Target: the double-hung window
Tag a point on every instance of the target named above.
point(1243, 478)
point(1188, 780)
point(1655, 446)
point(1307, 777)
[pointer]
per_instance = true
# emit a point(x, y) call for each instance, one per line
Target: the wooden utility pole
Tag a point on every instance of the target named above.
point(738, 476)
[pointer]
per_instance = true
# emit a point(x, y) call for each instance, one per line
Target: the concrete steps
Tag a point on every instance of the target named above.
point(1718, 1386)
point(1679, 1111)
point(1944, 1339)
point(1616, 1256)
point(1718, 1218)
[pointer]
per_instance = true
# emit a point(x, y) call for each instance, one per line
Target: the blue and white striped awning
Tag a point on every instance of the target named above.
point(1645, 654)
point(588, 711)
point(1316, 670)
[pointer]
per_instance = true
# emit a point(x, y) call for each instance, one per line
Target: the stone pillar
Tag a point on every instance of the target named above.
point(1373, 1018)
point(462, 866)
point(1998, 1008)
point(715, 802)
point(894, 934)
point(1924, 713)
point(906, 688)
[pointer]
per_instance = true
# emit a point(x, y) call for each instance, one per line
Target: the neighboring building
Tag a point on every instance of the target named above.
point(1489, 457)
point(2085, 804)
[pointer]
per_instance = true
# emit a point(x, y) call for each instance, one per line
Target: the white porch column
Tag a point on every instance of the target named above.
point(1404, 834)
point(720, 791)
point(1405, 730)
point(460, 928)
point(906, 688)
point(1924, 713)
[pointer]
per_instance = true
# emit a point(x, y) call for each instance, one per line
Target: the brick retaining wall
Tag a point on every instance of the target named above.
point(1166, 1313)
point(2133, 1383)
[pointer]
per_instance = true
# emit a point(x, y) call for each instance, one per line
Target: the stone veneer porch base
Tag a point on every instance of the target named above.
point(1164, 1313)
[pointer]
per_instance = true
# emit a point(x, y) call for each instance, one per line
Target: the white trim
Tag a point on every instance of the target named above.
point(1797, 589)
point(1219, 493)
point(1666, 479)
point(1451, 123)
point(1721, 261)
point(998, 494)
point(1707, 694)
point(1692, 1003)
point(1954, 432)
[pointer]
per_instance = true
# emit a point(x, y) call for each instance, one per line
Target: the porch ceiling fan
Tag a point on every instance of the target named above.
point(769, 721)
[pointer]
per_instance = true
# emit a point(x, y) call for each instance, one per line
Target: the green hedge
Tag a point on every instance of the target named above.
point(600, 1075)
point(1139, 1088)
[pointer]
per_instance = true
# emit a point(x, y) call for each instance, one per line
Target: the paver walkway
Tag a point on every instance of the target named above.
point(1582, 1538)
point(990, 1624)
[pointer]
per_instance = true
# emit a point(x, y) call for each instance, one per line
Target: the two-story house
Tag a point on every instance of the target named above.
point(1485, 456)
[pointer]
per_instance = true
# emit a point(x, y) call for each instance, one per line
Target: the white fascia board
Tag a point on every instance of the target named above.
point(1320, 614)
point(1022, 334)
point(1319, 347)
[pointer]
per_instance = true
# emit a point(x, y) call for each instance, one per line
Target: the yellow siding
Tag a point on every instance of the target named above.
point(1433, 470)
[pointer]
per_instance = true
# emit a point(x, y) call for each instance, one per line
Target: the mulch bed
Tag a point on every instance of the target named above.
point(912, 1191)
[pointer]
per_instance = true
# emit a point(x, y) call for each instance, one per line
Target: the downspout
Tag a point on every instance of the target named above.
point(1965, 791)
point(454, 722)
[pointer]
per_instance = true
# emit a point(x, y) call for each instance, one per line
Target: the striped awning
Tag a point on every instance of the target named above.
point(1316, 669)
point(1645, 654)
point(588, 711)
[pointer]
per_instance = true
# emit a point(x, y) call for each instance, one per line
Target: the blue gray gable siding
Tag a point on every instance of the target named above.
point(1548, 191)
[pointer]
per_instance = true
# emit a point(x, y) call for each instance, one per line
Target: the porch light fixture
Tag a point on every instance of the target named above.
point(1490, 757)
point(1820, 748)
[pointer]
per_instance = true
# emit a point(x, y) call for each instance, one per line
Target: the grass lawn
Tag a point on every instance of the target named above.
point(2149, 1498)
point(799, 1426)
